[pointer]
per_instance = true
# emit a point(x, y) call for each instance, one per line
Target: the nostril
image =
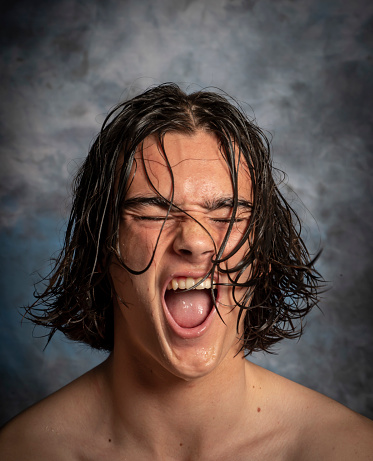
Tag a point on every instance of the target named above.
point(193, 245)
point(185, 252)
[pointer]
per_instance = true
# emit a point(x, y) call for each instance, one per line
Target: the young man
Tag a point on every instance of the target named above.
point(180, 257)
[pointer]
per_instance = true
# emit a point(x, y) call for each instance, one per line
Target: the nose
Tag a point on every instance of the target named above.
point(193, 242)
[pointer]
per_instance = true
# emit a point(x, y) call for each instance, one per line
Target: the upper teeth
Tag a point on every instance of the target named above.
point(186, 283)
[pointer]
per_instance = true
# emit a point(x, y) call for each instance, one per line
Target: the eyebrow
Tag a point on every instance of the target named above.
point(210, 205)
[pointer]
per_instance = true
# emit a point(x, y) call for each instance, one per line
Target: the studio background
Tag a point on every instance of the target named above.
point(304, 68)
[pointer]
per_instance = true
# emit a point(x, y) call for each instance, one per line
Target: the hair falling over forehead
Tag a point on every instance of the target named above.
point(283, 285)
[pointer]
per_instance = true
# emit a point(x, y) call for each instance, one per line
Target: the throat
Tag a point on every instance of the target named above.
point(190, 308)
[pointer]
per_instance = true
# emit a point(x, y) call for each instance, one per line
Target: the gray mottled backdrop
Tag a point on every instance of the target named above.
point(305, 69)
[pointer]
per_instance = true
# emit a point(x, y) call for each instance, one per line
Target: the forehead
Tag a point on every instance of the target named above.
point(196, 164)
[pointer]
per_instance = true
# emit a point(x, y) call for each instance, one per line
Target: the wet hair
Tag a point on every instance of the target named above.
point(77, 298)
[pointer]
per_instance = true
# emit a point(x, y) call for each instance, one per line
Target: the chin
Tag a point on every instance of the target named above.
point(197, 364)
point(190, 361)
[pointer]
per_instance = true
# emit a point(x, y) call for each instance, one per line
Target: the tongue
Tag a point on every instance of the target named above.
point(190, 308)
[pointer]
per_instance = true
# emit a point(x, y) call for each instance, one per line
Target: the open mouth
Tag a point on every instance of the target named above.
point(191, 308)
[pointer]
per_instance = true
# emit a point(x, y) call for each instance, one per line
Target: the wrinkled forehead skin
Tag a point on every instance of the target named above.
point(186, 165)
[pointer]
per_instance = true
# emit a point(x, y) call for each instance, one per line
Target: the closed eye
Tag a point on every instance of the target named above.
point(228, 220)
point(150, 218)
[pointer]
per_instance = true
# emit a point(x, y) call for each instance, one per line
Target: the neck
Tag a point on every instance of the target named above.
point(164, 414)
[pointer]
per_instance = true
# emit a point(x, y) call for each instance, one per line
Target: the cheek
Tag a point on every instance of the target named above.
point(235, 246)
point(133, 292)
point(232, 262)
point(136, 246)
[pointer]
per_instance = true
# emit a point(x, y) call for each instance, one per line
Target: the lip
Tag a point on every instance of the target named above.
point(199, 330)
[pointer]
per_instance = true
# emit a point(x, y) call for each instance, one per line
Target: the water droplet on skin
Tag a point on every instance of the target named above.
point(207, 354)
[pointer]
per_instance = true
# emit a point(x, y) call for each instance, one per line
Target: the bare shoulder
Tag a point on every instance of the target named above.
point(335, 432)
point(51, 428)
point(315, 426)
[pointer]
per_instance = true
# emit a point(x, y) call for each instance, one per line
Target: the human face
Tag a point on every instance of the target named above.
point(183, 339)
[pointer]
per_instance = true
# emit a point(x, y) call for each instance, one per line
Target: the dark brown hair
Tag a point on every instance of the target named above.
point(77, 298)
